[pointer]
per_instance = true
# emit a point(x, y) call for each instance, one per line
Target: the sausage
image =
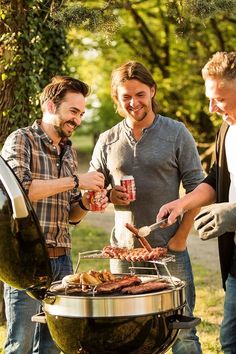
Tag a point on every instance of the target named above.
point(142, 240)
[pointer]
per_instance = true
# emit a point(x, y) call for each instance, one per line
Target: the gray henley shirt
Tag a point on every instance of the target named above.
point(165, 156)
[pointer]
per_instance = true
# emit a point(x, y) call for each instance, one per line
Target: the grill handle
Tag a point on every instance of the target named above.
point(39, 318)
point(182, 322)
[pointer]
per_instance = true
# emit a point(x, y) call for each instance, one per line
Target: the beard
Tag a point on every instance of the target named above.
point(138, 118)
point(61, 132)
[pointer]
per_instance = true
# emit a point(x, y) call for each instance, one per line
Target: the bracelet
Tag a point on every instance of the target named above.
point(76, 181)
point(82, 206)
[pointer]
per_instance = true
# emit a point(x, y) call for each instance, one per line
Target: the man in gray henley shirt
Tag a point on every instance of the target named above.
point(160, 153)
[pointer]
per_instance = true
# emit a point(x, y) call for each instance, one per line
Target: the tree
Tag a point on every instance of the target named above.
point(31, 53)
point(174, 41)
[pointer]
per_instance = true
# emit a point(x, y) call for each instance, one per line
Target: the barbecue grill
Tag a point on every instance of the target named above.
point(87, 323)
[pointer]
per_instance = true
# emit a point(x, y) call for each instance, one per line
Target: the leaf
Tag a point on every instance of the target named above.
point(4, 76)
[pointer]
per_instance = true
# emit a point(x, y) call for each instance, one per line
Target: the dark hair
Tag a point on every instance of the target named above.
point(59, 87)
point(132, 70)
point(221, 65)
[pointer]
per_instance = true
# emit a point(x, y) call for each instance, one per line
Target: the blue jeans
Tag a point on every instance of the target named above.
point(23, 335)
point(188, 341)
point(228, 327)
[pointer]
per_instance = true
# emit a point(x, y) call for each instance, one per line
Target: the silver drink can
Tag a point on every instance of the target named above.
point(129, 184)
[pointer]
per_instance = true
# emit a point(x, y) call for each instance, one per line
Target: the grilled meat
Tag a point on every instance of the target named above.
point(118, 284)
point(145, 288)
point(134, 254)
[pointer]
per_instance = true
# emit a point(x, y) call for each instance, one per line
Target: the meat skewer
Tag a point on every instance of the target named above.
point(142, 240)
point(134, 254)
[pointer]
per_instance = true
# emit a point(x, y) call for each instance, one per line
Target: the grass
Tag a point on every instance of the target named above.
point(209, 307)
point(209, 297)
point(83, 143)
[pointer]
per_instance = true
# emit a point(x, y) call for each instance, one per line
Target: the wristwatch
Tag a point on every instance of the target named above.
point(76, 181)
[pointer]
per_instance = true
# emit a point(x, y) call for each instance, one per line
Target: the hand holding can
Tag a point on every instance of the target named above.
point(95, 201)
point(129, 184)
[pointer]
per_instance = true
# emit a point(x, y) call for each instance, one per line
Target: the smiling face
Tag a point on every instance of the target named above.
point(68, 115)
point(135, 100)
point(222, 98)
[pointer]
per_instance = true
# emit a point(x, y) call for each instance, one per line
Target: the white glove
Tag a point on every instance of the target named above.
point(215, 220)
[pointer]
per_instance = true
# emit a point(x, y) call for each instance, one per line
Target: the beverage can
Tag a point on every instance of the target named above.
point(129, 184)
point(95, 199)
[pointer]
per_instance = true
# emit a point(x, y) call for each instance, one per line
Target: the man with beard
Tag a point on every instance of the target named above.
point(219, 186)
point(45, 163)
point(159, 153)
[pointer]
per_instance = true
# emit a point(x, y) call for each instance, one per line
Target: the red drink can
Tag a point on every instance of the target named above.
point(95, 199)
point(129, 184)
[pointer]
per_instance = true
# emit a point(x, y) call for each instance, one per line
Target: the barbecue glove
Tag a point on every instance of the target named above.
point(215, 220)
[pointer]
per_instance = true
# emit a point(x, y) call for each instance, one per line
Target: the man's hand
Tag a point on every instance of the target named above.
point(171, 210)
point(118, 196)
point(103, 200)
point(215, 220)
point(93, 181)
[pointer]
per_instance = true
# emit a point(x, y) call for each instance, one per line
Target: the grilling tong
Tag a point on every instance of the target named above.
point(145, 231)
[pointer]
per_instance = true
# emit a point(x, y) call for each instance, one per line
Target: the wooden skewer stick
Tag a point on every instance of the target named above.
point(142, 240)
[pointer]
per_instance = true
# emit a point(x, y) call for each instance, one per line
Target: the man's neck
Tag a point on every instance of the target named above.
point(50, 131)
point(138, 126)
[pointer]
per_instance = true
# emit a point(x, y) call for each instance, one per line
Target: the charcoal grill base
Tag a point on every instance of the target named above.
point(135, 335)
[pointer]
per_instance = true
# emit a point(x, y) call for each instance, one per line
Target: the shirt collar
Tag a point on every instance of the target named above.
point(129, 129)
point(36, 126)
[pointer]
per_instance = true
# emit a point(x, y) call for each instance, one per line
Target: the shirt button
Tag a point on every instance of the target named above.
point(57, 164)
point(54, 147)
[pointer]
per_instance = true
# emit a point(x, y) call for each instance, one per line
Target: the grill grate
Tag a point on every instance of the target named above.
point(97, 254)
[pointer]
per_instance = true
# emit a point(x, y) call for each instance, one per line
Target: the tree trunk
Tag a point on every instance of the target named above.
point(2, 305)
point(8, 51)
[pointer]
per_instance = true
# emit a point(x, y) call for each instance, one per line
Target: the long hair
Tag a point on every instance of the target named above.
point(132, 70)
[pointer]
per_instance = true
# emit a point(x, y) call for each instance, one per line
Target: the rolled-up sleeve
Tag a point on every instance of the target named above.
point(17, 152)
point(191, 171)
point(211, 178)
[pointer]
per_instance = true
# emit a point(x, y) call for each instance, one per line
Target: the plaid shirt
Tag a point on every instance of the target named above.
point(32, 155)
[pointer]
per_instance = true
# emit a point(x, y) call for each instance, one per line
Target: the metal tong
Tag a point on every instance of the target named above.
point(141, 239)
point(145, 230)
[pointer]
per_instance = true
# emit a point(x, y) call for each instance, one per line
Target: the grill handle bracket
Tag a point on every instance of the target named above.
point(39, 318)
point(182, 322)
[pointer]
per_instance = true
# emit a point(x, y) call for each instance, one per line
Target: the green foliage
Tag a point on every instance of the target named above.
point(149, 33)
point(88, 238)
point(92, 18)
point(209, 9)
point(32, 53)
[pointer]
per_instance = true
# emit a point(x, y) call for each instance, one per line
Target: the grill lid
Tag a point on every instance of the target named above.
point(24, 263)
